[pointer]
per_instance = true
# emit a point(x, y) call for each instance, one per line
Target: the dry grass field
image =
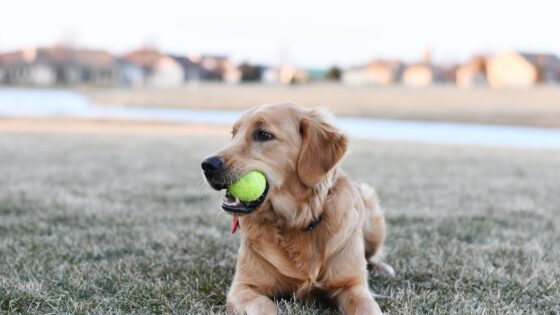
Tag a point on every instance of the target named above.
point(112, 223)
point(531, 107)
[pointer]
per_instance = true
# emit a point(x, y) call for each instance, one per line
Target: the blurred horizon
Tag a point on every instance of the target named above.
point(310, 35)
point(474, 62)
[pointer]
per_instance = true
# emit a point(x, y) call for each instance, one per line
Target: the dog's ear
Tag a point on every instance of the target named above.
point(323, 145)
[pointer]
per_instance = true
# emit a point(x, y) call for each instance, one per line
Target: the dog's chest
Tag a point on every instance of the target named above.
point(296, 260)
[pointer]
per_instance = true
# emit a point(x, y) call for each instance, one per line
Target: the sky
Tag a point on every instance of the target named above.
point(308, 33)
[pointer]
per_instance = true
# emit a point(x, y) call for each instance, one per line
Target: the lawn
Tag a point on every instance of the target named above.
point(109, 223)
point(530, 107)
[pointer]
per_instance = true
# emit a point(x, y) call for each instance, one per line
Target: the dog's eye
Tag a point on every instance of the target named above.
point(261, 135)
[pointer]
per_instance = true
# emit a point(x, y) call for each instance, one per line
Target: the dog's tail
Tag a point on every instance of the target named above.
point(374, 229)
point(369, 196)
point(374, 223)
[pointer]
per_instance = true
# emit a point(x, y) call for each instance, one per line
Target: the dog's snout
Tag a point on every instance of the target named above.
point(212, 164)
point(214, 172)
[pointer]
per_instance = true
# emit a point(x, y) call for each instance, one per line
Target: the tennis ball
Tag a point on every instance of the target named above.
point(248, 187)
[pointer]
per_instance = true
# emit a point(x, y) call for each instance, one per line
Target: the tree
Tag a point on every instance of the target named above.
point(333, 73)
point(250, 73)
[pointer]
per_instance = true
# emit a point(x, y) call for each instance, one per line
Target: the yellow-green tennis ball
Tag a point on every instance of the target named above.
point(248, 187)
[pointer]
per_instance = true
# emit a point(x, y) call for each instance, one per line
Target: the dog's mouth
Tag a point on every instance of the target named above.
point(237, 207)
point(234, 205)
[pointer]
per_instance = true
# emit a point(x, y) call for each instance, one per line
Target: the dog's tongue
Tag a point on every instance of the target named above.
point(235, 224)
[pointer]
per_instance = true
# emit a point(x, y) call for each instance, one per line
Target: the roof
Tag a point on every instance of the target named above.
point(475, 65)
point(59, 55)
point(393, 64)
point(12, 57)
point(548, 61)
point(185, 62)
point(98, 58)
point(533, 57)
point(146, 58)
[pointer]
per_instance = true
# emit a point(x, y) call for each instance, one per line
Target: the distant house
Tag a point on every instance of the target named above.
point(515, 69)
point(422, 75)
point(377, 72)
point(159, 70)
point(166, 73)
point(357, 76)
point(269, 75)
point(219, 68)
point(285, 74)
point(97, 67)
point(289, 74)
point(472, 73)
point(131, 75)
point(59, 65)
point(193, 71)
point(25, 67)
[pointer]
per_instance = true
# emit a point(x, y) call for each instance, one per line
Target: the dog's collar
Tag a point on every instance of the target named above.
point(314, 223)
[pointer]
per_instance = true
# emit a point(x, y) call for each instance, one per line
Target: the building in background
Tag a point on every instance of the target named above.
point(377, 72)
point(59, 66)
point(472, 73)
point(159, 70)
point(69, 66)
point(269, 75)
point(66, 66)
point(27, 67)
point(97, 67)
point(131, 75)
point(218, 68)
point(422, 75)
point(522, 70)
point(290, 74)
point(285, 74)
point(193, 72)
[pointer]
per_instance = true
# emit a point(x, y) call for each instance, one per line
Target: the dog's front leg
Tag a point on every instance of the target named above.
point(244, 300)
point(357, 300)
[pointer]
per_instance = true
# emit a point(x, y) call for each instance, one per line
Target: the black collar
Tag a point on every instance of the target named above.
point(314, 223)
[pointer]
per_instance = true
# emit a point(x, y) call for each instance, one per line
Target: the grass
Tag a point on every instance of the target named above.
point(530, 107)
point(123, 224)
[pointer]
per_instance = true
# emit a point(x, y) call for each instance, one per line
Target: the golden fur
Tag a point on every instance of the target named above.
point(278, 256)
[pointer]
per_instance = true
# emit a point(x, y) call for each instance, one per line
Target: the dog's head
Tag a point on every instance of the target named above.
point(294, 147)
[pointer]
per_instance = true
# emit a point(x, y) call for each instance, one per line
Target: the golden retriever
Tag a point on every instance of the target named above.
point(313, 229)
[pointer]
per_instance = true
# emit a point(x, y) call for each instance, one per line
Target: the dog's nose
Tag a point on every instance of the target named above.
point(212, 164)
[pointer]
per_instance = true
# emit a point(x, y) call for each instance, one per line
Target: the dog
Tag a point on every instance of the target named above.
point(313, 229)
